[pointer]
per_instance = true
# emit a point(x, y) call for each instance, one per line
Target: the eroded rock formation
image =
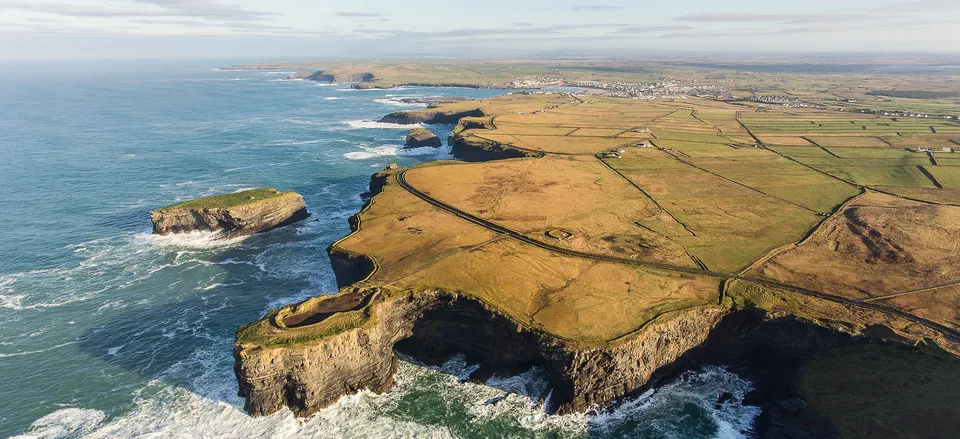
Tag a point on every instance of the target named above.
point(429, 117)
point(431, 325)
point(259, 213)
point(420, 137)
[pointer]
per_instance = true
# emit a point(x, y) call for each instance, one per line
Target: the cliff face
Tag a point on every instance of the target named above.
point(431, 325)
point(327, 76)
point(429, 117)
point(320, 76)
point(301, 75)
point(475, 149)
point(240, 220)
point(419, 137)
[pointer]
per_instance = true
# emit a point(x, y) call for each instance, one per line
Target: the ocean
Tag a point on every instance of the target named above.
point(107, 331)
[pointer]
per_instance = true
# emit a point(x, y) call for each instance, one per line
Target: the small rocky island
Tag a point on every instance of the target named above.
point(420, 137)
point(237, 214)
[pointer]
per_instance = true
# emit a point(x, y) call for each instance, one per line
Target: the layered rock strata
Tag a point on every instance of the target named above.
point(429, 117)
point(420, 137)
point(232, 215)
point(431, 325)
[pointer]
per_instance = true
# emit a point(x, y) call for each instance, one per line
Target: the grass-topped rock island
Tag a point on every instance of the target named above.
point(615, 242)
point(232, 215)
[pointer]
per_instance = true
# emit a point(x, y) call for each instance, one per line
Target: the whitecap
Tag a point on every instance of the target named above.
point(372, 124)
point(192, 240)
point(12, 301)
point(656, 410)
point(400, 103)
point(369, 153)
point(333, 98)
point(38, 351)
point(69, 422)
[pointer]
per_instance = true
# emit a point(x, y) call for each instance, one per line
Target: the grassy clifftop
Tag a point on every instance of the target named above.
point(226, 201)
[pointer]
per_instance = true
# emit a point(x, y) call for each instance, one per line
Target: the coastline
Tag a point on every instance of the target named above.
point(724, 330)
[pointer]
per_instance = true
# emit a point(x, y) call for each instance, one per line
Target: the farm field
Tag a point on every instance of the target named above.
point(702, 194)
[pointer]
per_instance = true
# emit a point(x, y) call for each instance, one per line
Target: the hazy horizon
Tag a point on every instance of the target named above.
point(85, 29)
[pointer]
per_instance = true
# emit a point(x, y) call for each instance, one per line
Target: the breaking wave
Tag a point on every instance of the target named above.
point(390, 150)
point(372, 124)
point(400, 103)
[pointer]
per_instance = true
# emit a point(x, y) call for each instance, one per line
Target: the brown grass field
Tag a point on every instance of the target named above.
point(704, 202)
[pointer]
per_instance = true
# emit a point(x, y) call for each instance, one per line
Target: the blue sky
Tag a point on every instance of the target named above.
point(47, 29)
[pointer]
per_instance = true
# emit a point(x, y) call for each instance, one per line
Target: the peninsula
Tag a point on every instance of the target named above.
point(616, 241)
point(657, 219)
point(232, 215)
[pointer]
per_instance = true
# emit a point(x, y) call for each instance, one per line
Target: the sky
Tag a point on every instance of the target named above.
point(287, 29)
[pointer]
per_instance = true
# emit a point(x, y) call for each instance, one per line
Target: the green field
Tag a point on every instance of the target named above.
point(227, 200)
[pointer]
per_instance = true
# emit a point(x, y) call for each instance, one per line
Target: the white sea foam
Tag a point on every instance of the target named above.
point(302, 121)
point(400, 103)
point(212, 408)
point(12, 301)
point(192, 240)
point(656, 410)
point(38, 351)
point(390, 150)
point(64, 423)
point(372, 124)
point(333, 98)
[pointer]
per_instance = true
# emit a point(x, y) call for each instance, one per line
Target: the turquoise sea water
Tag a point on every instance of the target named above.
point(107, 331)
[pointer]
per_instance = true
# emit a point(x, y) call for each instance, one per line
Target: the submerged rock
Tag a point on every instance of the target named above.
point(419, 137)
point(237, 214)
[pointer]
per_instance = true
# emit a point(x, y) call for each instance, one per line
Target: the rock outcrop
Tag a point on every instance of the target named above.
point(238, 214)
point(420, 137)
point(333, 76)
point(475, 149)
point(320, 76)
point(300, 75)
point(429, 117)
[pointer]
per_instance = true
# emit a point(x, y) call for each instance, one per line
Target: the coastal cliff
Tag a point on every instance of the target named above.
point(237, 214)
point(420, 137)
point(429, 117)
point(332, 76)
point(476, 149)
point(432, 325)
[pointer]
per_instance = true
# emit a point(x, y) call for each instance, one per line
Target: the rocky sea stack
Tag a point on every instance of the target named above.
point(419, 137)
point(238, 214)
point(430, 117)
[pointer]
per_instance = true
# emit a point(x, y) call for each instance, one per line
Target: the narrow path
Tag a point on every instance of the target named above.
point(401, 180)
point(904, 293)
